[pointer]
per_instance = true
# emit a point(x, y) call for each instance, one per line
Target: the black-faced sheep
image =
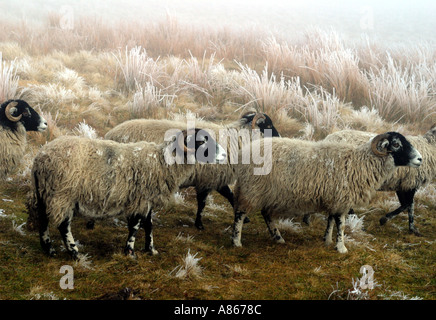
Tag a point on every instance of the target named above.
point(205, 178)
point(317, 176)
point(406, 181)
point(16, 117)
point(101, 178)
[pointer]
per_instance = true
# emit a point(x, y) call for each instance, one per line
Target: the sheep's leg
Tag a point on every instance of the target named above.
point(201, 203)
point(44, 233)
point(412, 228)
point(228, 194)
point(329, 231)
point(340, 225)
point(133, 223)
point(406, 200)
point(90, 224)
point(148, 227)
point(272, 228)
point(65, 231)
point(237, 227)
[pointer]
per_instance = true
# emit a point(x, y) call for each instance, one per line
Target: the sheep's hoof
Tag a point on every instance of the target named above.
point(151, 251)
point(90, 225)
point(74, 255)
point(328, 242)
point(415, 232)
point(199, 225)
point(237, 243)
point(51, 252)
point(341, 249)
point(279, 239)
point(383, 221)
point(129, 252)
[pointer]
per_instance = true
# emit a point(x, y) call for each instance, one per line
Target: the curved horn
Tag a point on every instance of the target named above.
point(375, 142)
point(257, 117)
point(181, 141)
point(8, 112)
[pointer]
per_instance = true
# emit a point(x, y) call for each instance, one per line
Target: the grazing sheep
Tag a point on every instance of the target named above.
point(205, 178)
point(16, 117)
point(406, 181)
point(318, 176)
point(101, 178)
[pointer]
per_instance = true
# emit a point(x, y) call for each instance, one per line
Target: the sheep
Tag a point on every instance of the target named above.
point(101, 178)
point(310, 176)
point(16, 117)
point(406, 181)
point(205, 178)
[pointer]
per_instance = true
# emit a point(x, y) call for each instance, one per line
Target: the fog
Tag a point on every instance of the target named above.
point(397, 21)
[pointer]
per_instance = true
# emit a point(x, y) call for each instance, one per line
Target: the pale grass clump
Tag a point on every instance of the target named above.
point(263, 92)
point(18, 227)
point(322, 111)
point(354, 223)
point(36, 293)
point(8, 80)
point(137, 68)
point(289, 224)
point(149, 100)
point(365, 119)
point(71, 79)
point(402, 93)
point(85, 130)
point(189, 268)
point(186, 239)
point(50, 97)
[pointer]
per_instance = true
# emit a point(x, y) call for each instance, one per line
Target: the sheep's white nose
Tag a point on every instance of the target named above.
point(417, 160)
point(221, 154)
point(42, 125)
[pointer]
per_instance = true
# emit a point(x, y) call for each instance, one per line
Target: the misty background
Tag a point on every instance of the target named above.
point(389, 21)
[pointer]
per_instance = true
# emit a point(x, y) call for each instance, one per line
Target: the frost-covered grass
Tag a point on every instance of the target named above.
point(87, 81)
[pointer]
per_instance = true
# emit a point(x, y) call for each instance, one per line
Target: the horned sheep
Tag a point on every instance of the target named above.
point(406, 181)
point(16, 118)
point(318, 176)
point(205, 178)
point(100, 178)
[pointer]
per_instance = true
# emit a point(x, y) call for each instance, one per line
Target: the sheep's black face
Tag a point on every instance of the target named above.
point(266, 124)
point(263, 122)
point(402, 151)
point(20, 112)
point(207, 150)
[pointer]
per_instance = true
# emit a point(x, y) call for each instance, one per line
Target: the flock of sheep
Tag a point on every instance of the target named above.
point(132, 171)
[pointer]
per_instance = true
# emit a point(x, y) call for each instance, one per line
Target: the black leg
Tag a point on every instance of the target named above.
point(44, 234)
point(406, 201)
point(228, 194)
point(65, 231)
point(272, 228)
point(201, 203)
point(90, 224)
point(133, 223)
point(148, 227)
